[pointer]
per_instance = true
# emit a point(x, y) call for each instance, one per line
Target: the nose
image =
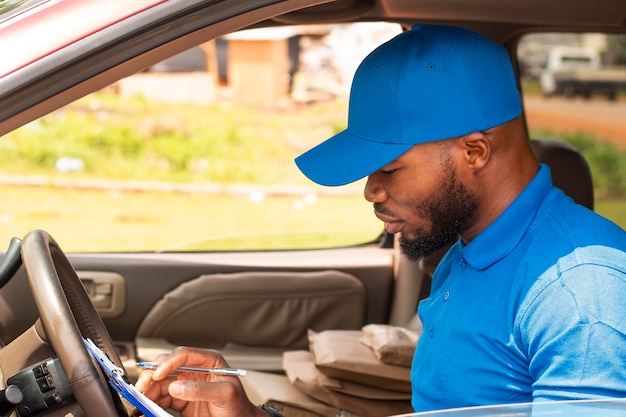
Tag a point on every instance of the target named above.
point(374, 191)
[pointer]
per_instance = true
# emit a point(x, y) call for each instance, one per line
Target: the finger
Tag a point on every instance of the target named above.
point(144, 380)
point(158, 393)
point(224, 398)
point(183, 356)
point(203, 391)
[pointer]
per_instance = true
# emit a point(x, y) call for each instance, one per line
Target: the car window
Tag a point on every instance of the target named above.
point(196, 153)
point(574, 408)
point(574, 88)
point(9, 8)
point(7, 5)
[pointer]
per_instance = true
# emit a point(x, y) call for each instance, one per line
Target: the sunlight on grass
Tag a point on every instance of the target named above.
point(101, 221)
point(89, 220)
point(612, 209)
point(220, 144)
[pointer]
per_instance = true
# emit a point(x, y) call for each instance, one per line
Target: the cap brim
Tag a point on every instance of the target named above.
point(345, 158)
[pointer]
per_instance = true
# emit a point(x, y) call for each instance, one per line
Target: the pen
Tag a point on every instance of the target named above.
point(217, 371)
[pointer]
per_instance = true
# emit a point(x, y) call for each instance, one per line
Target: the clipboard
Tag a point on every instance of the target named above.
point(120, 382)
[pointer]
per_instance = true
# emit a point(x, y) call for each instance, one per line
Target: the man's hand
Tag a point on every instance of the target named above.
point(195, 394)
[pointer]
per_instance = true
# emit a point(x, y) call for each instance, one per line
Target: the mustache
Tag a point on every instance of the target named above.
point(379, 208)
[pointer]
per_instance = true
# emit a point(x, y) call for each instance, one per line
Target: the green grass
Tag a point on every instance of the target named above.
point(136, 139)
point(606, 163)
point(140, 140)
point(93, 220)
point(608, 166)
point(133, 138)
point(608, 170)
point(612, 209)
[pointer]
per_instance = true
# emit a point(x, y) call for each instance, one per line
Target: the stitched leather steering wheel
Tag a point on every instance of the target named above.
point(67, 314)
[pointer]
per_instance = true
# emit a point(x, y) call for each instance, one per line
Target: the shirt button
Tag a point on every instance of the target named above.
point(463, 263)
point(446, 296)
point(432, 332)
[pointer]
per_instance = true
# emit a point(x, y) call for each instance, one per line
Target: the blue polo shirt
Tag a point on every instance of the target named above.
point(533, 308)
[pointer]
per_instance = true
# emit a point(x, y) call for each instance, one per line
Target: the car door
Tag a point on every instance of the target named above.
point(319, 262)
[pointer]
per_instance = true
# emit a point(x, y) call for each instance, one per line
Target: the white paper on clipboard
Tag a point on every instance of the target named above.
point(118, 380)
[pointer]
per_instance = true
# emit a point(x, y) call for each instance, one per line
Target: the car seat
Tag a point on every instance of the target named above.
point(570, 171)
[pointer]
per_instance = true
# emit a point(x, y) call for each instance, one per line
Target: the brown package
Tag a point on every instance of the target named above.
point(340, 354)
point(391, 344)
point(277, 391)
point(304, 375)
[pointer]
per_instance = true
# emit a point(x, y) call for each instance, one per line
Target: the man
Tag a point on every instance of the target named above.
point(528, 305)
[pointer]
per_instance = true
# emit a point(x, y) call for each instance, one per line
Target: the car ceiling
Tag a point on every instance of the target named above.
point(554, 13)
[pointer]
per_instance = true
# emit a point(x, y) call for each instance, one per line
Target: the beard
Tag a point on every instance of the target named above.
point(447, 211)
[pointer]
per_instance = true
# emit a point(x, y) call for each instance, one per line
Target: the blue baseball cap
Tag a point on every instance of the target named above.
point(430, 83)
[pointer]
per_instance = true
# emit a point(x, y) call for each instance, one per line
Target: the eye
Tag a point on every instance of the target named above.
point(388, 171)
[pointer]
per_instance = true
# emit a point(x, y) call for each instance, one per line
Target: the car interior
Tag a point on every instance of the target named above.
point(253, 306)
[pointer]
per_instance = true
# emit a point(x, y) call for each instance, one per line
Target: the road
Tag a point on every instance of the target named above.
point(600, 117)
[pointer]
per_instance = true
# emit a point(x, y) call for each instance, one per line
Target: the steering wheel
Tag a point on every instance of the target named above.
point(67, 315)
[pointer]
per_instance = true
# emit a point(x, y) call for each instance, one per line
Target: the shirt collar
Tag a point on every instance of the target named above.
point(503, 235)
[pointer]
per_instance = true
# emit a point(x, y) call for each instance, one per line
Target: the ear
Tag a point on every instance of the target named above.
point(476, 148)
